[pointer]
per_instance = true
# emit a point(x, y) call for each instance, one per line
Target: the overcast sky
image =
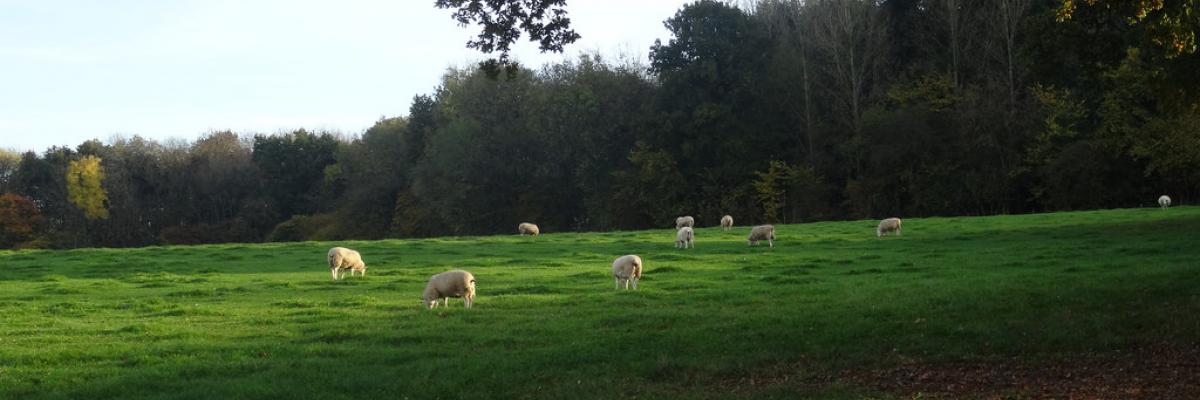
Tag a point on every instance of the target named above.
point(77, 70)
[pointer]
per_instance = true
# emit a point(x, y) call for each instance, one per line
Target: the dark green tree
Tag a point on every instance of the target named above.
point(502, 21)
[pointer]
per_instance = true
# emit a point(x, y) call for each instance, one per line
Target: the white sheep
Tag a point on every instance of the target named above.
point(627, 269)
point(453, 283)
point(342, 259)
point(888, 225)
point(762, 232)
point(684, 237)
point(683, 221)
point(727, 222)
point(528, 228)
point(1164, 201)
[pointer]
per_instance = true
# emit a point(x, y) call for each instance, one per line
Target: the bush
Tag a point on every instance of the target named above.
point(301, 228)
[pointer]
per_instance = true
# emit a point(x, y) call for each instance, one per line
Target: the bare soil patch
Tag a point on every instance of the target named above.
point(1156, 372)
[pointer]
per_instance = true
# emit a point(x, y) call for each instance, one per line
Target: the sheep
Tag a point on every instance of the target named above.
point(342, 259)
point(727, 223)
point(684, 237)
point(627, 269)
point(528, 228)
point(1164, 201)
point(453, 283)
point(888, 225)
point(683, 221)
point(762, 232)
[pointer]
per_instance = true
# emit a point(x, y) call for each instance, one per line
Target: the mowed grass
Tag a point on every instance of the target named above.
point(265, 320)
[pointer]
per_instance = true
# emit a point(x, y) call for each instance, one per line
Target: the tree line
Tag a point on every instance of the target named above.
point(771, 110)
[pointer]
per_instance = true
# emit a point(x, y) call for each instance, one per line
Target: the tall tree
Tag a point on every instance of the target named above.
point(84, 185)
point(293, 167)
point(792, 31)
point(1007, 17)
point(850, 35)
point(503, 21)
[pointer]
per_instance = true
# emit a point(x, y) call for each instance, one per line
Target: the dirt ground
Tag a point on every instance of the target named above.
point(1157, 372)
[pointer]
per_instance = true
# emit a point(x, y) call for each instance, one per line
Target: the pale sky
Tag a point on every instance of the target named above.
point(83, 69)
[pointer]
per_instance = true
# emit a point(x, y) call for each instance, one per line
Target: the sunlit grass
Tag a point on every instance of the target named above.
point(265, 321)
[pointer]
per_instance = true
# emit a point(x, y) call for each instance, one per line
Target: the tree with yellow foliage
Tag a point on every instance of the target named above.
point(83, 187)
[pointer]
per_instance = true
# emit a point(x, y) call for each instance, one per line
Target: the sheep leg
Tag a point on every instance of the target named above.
point(771, 243)
point(634, 283)
point(333, 271)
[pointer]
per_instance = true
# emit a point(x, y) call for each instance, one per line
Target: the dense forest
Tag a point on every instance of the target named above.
point(769, 110)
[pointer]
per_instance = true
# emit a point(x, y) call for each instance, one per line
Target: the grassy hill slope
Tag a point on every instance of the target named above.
point(722, 320)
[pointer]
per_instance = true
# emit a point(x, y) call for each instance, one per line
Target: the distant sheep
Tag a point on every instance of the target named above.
point(1164, 201)
point(342, 259)
point(683, 221)
point(453, 283)
point(888, 225)
point(526, 228)
point(684, 237)
point(627, 269)
point(760, 233)
point(727, 222)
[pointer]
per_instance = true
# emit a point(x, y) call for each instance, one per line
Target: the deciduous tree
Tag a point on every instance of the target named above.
point(85, 178)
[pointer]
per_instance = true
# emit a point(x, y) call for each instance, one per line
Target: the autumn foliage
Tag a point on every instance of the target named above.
point(19, 219)
point(83, 185)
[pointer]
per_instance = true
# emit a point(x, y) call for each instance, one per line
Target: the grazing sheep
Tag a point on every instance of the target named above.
point(528, 228)
point(888, 225)
point(683, 221)
point(727, 222)
point(762, 232)
point(453, 283)
point(1164, 201)
point(627, 269)
point(684, 237)
point(342, 259)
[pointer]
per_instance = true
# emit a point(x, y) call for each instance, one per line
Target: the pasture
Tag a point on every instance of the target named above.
point(830, 312)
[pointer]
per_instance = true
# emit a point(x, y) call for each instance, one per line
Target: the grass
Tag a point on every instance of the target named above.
point(265, 321)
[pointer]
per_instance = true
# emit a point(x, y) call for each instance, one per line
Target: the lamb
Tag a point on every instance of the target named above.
point(683, 221)
point(727, 223)
point(1164, 201)
point(888, 225)
point(527, 228)
point(453, 283)
point(342, 259)
point(684, 237)
point(627, 269)
point(762, 232)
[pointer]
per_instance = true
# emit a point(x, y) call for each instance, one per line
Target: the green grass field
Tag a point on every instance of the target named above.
point(260, 321)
